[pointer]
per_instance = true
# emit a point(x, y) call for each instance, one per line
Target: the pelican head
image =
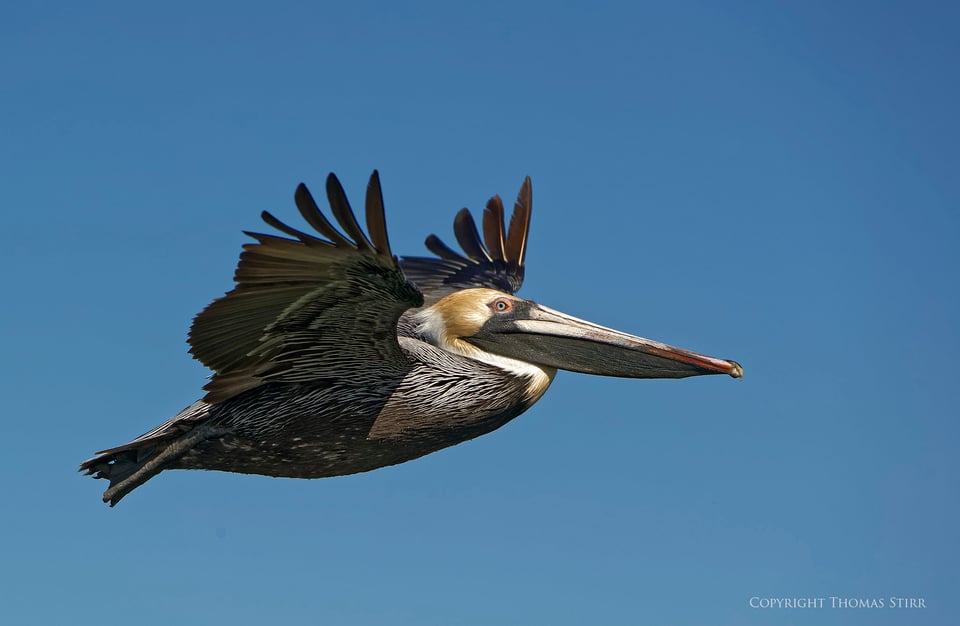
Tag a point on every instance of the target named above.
point(502, 329)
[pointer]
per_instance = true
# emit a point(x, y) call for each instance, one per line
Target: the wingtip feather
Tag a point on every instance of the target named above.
point(520, 225)
point(340, 207)
point(494, 228)
point(376, 217)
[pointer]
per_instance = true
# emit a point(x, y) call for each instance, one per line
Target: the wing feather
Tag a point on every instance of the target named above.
point(465, 230)
point(308, 308)
point(443, 251)
point(496, 261)
point(311, 213)
point(516, 247)
point(493, 228)
point(344, 214)
point(376, 222)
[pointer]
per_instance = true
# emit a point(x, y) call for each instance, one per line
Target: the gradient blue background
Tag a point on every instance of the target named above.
point(771, 182)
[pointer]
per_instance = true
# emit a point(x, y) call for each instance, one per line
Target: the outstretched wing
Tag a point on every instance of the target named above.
point(308, 308)
point(496, 261)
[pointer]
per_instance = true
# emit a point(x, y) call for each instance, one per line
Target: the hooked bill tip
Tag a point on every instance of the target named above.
point(736, 371)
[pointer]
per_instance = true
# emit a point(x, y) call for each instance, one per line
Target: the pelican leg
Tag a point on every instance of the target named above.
point(176, 449)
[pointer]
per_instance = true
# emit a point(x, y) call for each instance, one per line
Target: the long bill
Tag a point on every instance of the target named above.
point(554, 339)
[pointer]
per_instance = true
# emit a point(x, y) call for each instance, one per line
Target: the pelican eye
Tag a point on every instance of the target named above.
point(501, 305)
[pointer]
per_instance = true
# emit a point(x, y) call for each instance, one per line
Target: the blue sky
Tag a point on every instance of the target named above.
point(772, 183)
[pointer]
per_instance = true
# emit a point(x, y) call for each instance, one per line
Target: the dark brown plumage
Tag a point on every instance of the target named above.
point(331, 356)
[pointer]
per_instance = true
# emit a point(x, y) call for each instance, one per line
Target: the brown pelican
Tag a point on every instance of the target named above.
point(332, 357)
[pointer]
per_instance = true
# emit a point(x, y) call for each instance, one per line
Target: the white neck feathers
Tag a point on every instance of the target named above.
point(432, 327)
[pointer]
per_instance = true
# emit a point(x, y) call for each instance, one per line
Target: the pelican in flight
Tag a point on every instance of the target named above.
point(331, 356)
